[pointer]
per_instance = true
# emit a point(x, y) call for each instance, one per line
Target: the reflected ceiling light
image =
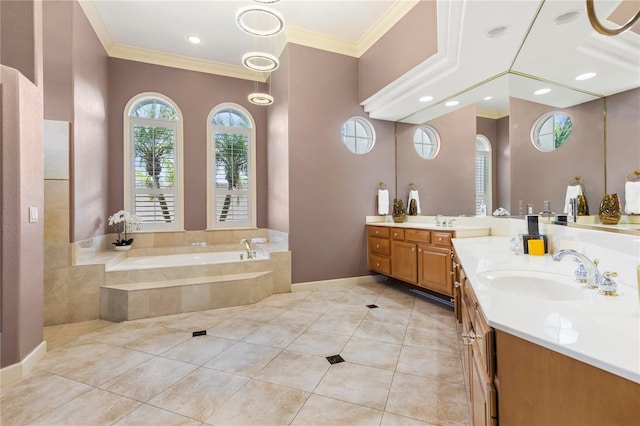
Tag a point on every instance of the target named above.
point(586, 76)
point(260, 61)
point(193, 39)
point(498, 31)
point(260, 99)
point(426, 99)
point(542, 91)
point(451, 103)
point(566, 17)
point(266, 1)
point(486, 98)
point(260, 12)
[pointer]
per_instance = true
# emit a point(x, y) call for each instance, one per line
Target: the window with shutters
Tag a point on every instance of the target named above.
point(153, 162)
point(483, 174)
point(231, 174)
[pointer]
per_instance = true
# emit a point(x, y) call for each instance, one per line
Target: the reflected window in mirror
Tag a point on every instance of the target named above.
point(551, 131)
point(426, 141)
point(483, 175)
point(358, 135)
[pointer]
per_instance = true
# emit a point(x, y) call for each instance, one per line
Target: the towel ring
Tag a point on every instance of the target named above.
point(382, 185)
point(634, 176)
point(577, 181)
point(412, 187)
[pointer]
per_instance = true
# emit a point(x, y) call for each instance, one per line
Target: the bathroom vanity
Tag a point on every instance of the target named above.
point(418, 254)
point(562, 355)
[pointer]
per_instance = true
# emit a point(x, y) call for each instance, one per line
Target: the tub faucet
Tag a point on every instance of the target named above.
point(593, 275)
point(247, 246)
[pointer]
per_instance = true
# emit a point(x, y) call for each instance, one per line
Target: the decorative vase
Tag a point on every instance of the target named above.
point(583, 206)
point(122, 248)
point(610, 211)
point(398, 214)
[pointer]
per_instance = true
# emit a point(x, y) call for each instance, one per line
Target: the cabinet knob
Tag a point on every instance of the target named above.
point(439, 239)
point(377, 264)
point(377, 232)
point(456, 284)
point(395, 234)
point(419, 250)
point(450, 272)
point(377, 245)
point(413, 249)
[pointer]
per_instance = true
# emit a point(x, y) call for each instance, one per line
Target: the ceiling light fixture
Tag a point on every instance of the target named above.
point(498, 31)
point(266, 1)
point(260, 99)
point(263, 12)
point(566, 17)
point(586, 76)
point(426, 99)
point(260, 61)
point(542, 91)
point(194, 39)
point(451, 103)
point(487, 98)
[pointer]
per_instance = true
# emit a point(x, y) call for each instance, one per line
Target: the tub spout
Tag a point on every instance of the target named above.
point(247, 246)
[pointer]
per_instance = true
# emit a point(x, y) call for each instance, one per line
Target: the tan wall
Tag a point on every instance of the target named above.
point(22, 242)
point(410, 42)
point(196, 94)
point(331, 190)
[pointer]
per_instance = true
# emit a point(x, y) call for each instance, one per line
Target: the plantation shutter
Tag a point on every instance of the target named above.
point(154, 156)
point(483, 174)
point(231, 176)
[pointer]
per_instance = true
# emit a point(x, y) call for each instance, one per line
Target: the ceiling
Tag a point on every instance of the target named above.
point(156, 31)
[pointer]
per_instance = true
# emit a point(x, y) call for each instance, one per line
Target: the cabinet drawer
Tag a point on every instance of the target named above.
point(380, 264)
point(397, 234)
point(378, 231)
point(380, 246)
point(417, 235)
point(441, 238)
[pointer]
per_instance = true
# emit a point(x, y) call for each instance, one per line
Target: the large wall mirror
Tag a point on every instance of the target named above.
point(603, 146)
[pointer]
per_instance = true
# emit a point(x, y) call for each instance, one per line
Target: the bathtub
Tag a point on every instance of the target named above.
point(189, 259)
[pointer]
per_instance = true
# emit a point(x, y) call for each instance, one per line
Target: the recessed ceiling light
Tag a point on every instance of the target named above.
point(266, 1)
point(567, 17)
point(264, 14)
point(451, 103)
point(426, 99)
point(586, 76)
point(498, 31)
point(194, 39)
point(542, 91)
point(487, 98)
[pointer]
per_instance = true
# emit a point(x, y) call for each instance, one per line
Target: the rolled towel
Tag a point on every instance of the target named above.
point(572, 192)
point(383, 201)
point(413, 195)
point(632, 198)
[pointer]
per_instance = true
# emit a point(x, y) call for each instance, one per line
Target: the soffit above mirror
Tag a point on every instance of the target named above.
point(470, 64)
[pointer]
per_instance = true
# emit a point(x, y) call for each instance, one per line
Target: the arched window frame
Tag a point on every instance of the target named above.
point(212, 220)
point(129, 167)
point(484, 156)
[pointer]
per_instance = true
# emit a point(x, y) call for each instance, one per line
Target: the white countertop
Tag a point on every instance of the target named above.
point(598, 330)
point(462, 231)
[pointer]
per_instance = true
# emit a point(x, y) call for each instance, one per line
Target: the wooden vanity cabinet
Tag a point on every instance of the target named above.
point(379, 249)
point(404, 261)
point(435, 269)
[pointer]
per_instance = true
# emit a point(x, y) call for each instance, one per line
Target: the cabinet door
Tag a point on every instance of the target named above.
point(483, 395)
point(404, 261)
point(434, 269)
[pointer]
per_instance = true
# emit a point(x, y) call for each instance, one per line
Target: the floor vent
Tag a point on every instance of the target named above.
point(372, 306)
point(200, 333)
point(335, 359)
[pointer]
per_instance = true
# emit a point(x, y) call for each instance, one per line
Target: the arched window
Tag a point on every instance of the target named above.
point(483, 175)
point(153, 161)
point(231, 194)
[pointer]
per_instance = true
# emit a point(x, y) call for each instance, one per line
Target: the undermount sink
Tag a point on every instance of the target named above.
point(538, 284)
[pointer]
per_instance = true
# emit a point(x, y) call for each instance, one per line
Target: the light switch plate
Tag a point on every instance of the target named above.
point(33, 214)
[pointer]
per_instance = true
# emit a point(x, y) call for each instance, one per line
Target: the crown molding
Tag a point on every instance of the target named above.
point(391, 17)
point(320, 41)
point(183, 62)
point(91, 12)
point(493, 114)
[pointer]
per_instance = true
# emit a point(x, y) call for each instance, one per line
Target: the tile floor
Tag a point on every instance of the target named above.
point(262, 364)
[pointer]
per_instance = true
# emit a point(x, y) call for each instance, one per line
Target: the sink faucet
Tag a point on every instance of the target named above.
point(440, 220)
point(247, 246)
point(593, 275)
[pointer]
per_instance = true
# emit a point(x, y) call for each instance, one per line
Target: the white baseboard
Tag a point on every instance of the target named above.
point(339, 282)
point(16, 372)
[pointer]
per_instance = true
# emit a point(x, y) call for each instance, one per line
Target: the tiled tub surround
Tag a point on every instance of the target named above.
point(259, 364)
point(73, 286)
point(600, 331)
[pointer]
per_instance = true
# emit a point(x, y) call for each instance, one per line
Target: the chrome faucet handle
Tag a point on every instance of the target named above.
point(581, 275)
point(451, 222)
point(607, 285)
